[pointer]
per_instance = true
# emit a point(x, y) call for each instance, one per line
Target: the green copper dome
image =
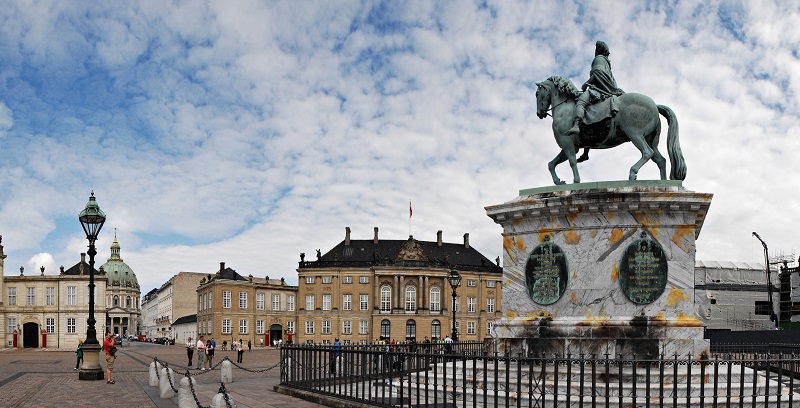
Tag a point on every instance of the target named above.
point(117, 272)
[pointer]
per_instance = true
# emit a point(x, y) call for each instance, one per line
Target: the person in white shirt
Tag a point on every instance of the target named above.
point(201, 353)
point(190, 350)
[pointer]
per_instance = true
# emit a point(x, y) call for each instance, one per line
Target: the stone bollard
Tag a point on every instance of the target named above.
point(227, 371)
point(219, 401)
point(166, 390)
point(185, 397)
point(155, 368)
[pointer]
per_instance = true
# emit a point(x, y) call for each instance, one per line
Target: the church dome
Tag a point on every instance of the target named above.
point(118, 272)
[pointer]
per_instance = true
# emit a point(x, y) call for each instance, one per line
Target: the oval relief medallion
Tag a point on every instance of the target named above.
point(546, 273)
point(643, 271)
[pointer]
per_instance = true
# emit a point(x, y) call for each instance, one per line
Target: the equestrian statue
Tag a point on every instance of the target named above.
point(603, 116)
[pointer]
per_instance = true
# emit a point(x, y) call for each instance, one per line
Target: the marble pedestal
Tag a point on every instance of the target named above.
point(601, 268)
point(90, 369)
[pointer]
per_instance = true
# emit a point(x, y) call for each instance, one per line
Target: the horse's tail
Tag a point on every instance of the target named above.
point(677, 163)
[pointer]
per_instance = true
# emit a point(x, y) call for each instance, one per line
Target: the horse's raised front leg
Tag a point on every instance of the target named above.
point(560, 158)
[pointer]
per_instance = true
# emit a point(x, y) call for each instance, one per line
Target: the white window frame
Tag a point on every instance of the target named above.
point(72, 295)
point(327, 279)
point(386, 298)
point(471, 304)
point(347, 279)
point(260, 301)
point(50, 325)
point(471, 283)
point(363, 327)
point(436, 300)
point(242, 300)
point(471, 328)
point(259, 327)
point(490, 305)
point(12, 296)
point(310, 302)
point(489, 326)
point(290, 326)
point(71, 325)
point(290, 303)
point(326, 302)
point(363, 279)
point(226, 326)
point(347, 327)
point(411, 298)
point(326, 327)
point(276, 301)
point(50, 296)
point(309, 327)
point(226, 299)
point(243, 326)
point(363, 302)
point(347, 302)
point(30, 298)
point(309, 280)
point(12, 325)
point(490, 283)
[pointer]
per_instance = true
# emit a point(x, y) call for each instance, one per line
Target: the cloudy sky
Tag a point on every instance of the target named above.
point(249, 132)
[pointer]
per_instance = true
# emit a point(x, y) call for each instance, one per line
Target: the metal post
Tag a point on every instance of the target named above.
point(92, 219)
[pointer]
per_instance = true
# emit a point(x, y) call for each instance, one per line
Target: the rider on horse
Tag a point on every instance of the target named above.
point(599, 86)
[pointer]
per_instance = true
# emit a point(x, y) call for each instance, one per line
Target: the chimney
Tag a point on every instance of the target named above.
point(375, 240)
point(347, 236)
point(83, 261)
point(439, 238)
point(466, 240)
point(221, 266)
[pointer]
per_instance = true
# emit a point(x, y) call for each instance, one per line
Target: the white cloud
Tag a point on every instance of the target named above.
point(250, 134)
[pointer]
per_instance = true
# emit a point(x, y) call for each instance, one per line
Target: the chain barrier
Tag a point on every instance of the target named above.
point(249, 370)
point(169, 378)
point(225, 394)
point(194, 393)
point(222, 388)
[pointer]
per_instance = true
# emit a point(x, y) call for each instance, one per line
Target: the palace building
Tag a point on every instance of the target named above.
point(361, 290)
point(50, 311)
point(233, 307)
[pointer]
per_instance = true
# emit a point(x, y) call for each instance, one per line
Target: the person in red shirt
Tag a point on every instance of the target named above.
point(108, 343)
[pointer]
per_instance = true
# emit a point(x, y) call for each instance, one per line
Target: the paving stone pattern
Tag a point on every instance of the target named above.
point(45, 378)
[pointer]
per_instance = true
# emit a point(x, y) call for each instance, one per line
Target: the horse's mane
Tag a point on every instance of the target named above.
point(564, 86)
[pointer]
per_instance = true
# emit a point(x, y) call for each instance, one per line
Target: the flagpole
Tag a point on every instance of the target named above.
point(410, 213)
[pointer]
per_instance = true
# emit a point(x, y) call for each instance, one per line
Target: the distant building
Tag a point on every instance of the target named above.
point(735, 295)
point(361, 290)
point(175, 298)
point(185, 327)
point(51, 310)
point(232, 307)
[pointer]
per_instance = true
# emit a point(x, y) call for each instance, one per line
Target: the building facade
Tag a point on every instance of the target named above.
point(232, 307)
point(50, 311)
point(363, 290)
point(173, 300)
point(150, 314)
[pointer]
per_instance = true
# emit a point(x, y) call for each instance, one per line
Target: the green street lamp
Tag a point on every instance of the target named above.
point(92, 220)
point(455, 281)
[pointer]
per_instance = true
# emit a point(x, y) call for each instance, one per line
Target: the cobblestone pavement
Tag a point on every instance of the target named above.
point(45, 378)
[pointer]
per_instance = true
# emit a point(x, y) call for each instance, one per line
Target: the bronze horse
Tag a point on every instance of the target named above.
point(636, 122)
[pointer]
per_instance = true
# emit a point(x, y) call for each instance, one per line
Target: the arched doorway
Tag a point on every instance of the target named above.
point(30, 335)
point(275, 333)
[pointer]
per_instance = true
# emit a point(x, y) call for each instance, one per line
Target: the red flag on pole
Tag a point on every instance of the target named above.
point(409, 209)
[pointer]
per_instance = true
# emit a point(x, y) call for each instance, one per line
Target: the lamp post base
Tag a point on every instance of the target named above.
point(91, 369)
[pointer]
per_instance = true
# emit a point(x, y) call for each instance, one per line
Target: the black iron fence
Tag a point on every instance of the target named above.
point(464, 375)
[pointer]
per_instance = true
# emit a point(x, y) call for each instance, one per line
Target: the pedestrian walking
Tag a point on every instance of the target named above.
point(190, 345)
point(249, 346)
point(79, 353)
point(201, 353)
point(239, 351)
point(111, 356)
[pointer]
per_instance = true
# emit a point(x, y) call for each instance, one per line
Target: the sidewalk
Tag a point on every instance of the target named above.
point(45, 378)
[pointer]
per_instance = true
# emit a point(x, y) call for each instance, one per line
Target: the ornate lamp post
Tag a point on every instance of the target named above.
point(92, 219)
point(455, 280)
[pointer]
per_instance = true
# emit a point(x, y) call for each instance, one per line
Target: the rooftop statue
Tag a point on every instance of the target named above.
point(603, 116)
